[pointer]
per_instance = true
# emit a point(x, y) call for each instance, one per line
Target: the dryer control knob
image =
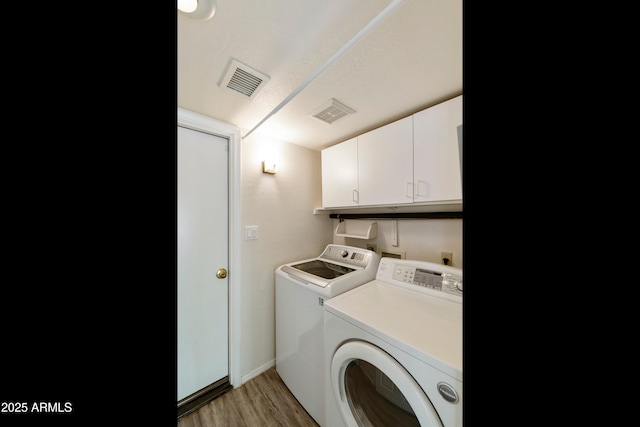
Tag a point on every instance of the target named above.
point(344, 253)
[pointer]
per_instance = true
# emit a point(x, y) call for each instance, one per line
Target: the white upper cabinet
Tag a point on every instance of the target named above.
point(436, 161)
point(340, 174)
point(415, 160)
point(385, 164)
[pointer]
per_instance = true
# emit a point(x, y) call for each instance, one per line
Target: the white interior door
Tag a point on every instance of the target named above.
point(203, 354)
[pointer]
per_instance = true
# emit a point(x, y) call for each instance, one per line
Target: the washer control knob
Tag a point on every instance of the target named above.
point(344, 253)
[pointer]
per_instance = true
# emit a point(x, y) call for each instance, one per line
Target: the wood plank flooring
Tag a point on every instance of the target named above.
point(263, 401)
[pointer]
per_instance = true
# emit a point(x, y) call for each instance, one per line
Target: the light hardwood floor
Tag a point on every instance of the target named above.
point(263, 401)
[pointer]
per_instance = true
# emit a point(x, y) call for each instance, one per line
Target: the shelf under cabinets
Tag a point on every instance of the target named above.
point(370, 233)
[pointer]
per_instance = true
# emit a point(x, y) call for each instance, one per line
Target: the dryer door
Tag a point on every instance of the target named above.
point(373, 389)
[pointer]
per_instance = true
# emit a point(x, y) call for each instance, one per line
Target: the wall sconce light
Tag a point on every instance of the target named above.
point(269, 166)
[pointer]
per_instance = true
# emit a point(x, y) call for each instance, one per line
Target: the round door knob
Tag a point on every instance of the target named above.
point(221, 273)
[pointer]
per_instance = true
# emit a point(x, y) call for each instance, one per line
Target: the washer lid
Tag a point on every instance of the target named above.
point(428, 328)
point(323, 269)
point(319, 273)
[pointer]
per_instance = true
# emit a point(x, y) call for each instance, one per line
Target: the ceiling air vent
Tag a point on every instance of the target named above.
point(243, 79)
point(331, 111)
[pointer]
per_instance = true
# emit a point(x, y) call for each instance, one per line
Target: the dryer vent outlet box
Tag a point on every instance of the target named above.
point(391, 254)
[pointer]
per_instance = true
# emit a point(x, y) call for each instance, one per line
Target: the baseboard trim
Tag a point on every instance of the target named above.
point(260, 370)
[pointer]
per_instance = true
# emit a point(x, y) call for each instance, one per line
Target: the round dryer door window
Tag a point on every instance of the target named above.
point(372, 389)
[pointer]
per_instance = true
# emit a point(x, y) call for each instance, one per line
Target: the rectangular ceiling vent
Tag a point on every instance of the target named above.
point(331, 111)
point(243, 79)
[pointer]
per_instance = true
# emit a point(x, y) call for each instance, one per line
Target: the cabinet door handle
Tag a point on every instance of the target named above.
point(355, 196)
point(409, 190)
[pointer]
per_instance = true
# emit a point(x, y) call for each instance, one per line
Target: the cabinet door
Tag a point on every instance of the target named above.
point(436, 152)
point(340, 174)
point(385, 164)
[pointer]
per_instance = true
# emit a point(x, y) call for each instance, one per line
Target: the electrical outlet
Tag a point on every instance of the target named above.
point(372, 247)
point(448, 256)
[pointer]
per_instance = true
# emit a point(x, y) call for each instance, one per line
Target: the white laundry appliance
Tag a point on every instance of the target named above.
point(302, 287)
point(393, 348)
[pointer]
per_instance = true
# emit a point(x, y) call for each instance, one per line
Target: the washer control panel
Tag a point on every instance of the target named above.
point(349, 255)
point(427, 275)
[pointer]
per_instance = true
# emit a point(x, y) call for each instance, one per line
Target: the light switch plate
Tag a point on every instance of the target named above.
point(251, 232)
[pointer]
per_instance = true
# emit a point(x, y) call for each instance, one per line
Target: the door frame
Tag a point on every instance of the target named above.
point(216, 127)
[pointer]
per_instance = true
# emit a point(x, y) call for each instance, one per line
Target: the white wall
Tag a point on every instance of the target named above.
point(419, 239)
point(281, 205)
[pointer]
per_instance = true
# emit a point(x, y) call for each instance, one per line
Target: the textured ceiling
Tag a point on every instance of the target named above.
point(411, 60)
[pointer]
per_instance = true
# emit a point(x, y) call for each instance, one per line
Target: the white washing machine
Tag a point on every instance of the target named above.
point(301, 290)
point(393, 348)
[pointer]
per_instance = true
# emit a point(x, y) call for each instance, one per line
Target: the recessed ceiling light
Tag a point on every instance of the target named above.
point(187, 6)
point(198, 9)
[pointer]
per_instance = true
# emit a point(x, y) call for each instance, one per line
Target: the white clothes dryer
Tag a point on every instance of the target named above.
point(393, 348)
point(301, 290)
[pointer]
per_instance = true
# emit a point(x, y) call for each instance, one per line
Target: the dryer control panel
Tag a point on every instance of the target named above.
point(431, 276)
